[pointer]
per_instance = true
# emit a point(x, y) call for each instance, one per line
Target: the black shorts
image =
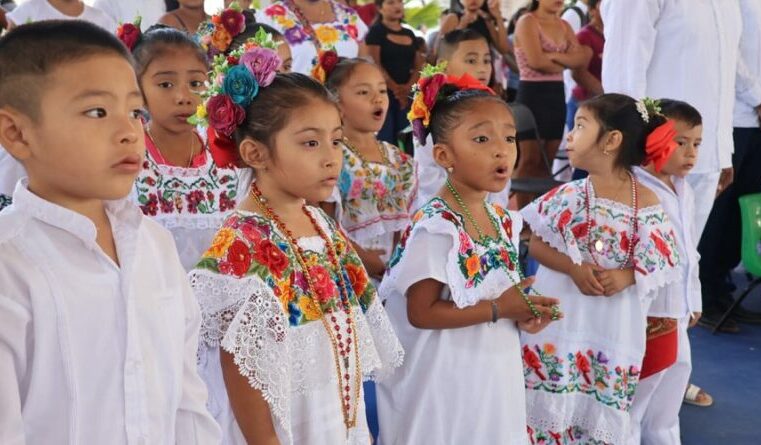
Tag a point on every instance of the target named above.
point(546, 100)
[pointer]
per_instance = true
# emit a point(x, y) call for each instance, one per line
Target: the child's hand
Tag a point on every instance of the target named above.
point(695, 318)
point(615, 280)
point(534, 325)
point(374, 264)
point(584, 277)
point(511, 304)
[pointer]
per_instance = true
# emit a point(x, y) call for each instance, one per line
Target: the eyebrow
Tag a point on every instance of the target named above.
point(169, 73)
point(317, 130)
point(89, 94)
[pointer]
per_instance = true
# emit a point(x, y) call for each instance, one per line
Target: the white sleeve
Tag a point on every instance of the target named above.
point(425, 258)
point(629, 44)
point(571, 16)
point(15, 347)
point(431, 176)
point(194, 424)
point(22, 14)
point(747, 86)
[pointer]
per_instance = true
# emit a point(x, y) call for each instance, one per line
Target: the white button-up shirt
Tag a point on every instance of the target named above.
point(749, 67)
point(679, 205)
point(678, 49)
point(92, 352)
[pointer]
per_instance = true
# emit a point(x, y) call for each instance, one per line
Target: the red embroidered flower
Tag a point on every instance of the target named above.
point(238, 259)
point(358, 278)
point(624, 242)
point(352, 31)
point(323, 284)
point(275, 10)
point(564, 219)
point(507, 224)
point(269, 255)
point(580, 230)
point(532, 361)
point(151, 206)
point(251, 232)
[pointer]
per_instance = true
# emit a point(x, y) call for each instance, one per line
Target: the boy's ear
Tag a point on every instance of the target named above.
point(15, 129)
point(255, 154)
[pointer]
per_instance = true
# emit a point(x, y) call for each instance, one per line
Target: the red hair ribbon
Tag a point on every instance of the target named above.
point(223, 150)
point(660, 145)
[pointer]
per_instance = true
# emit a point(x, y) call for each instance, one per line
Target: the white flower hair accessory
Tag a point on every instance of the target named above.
point(642, 109)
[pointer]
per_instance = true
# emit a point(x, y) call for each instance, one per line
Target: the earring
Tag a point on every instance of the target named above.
point(450, 170)
point(605, 151)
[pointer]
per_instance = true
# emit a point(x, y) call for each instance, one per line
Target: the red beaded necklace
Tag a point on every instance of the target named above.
point(341, 349)
point(599, 245)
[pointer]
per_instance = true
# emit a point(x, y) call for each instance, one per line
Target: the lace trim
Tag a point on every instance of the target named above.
point(192, 221)
point(558, 412)
point(541, 227)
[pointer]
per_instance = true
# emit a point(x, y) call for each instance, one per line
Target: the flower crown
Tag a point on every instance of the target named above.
point(660, 143)
point(130, 33)
point(217, 34)
point(234, 81)
point(324, 65)
point(433, 87)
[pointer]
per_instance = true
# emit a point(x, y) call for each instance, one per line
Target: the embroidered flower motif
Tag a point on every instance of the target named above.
point(327, 35)
point(238, 259)
point(220, 243)
point(323, 283)
point(270, 256)
point(308, 308)
point(358, 278)
point(473, 265)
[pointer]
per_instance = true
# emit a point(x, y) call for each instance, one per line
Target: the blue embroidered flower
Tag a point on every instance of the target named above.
point(344, 182)
point(240, 85)
point(295, 314)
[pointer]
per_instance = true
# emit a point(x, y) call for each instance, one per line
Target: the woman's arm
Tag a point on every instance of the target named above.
point(251, 411)
point(586, 80)
point(577, 56)
point(497, 28)
point(527, 38)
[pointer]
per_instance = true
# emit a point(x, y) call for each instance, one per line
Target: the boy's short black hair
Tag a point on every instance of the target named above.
point(451, 41)
point(29, 53)
point(681, 111)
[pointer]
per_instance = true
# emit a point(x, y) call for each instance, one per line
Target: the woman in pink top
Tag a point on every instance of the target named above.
point(545, 45)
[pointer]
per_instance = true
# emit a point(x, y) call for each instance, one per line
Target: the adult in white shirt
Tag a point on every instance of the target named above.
point(720, 245)
point(123, 11)
point(37, 10)
point(685, 50)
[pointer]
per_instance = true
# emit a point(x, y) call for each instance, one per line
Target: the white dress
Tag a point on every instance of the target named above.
point(376, 198)
point(191, 203)
point(39, 10)
point(581, 372)
point(457, 386)
point(256, 305)
point(433, 176)
point(344, 35)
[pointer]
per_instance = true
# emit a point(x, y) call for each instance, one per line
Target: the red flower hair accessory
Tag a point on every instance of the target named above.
point(433, 86)
point(129, 33)
point(660, 145)
point(217, 34)
point(325, 64)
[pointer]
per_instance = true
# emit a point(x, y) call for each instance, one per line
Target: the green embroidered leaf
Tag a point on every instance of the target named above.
point(208, 264)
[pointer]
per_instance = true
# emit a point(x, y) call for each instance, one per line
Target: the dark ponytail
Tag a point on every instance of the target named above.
point(534, 5)
point(618, 112)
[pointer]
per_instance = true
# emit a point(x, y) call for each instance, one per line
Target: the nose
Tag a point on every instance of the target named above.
point(130, 130)
point(184, 95)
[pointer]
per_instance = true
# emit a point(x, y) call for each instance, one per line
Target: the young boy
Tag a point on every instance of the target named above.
point(465, 52)
point(655, 411)
point(98, 325)
point(38, 10)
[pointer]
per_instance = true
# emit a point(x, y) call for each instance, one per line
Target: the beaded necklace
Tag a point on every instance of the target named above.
point(512, 252)
point(341, 350)
point(598, 245)
point(384, 156)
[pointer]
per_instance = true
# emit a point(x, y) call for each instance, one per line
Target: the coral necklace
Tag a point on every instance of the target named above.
point(341, 348)
point(599, 245)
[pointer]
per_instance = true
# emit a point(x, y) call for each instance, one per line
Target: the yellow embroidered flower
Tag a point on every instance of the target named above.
point(286, 23)
point(286, 292)
point(327, 35)
point(309, 309)
point(220, 243)
point(549, 349)
point(473, 265)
